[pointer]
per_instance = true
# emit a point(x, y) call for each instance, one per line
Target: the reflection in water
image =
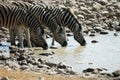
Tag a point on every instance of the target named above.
point(104, 54)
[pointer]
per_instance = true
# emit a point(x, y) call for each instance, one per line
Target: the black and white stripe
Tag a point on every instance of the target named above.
point(65, 18)
point(47, 19)
point(18, 20)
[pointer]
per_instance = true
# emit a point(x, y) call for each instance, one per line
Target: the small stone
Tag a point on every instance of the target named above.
point(115, 34)
point(116, 73)
point(61, 65)
point(24, 67)
point(88, 70)
point(23, 62)
point(118, 78)
point(41, 78)
point(47, 53)
point(94, 41)
point(103, 32)
point(51, 64)
point(90, 63)
point(21, 51)
point(68, 34)
point(92, 34)
point(117, 28)
point(41, 61)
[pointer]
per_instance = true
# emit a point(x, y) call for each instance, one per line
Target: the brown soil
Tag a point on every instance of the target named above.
point(25, 75)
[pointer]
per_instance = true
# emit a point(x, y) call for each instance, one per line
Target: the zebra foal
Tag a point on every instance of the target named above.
point(46, 18)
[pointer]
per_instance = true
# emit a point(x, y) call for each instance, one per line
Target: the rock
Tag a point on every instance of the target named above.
point(105, 13)
point(94, 41)
point(85, 9)
point(118, 78)
point(98, 29)
point(90, 17)
point(24, 67)
point(88, 70)
point(103, 2)
point(117, 5)
point(92, 34)
point(116, 73)
point(43, 66)
point(71, 72)
point(41, 61)
point(69, 34)
point(51, 64)
point(61, 65)
point(4, 78)
point(117, 28)
point(80, 16)
point(103, 32)
point(47, 53)
point(97, 6)
point(41, 78)
point(107, 74)
point(13, 49)
point(23, 62)
point(21, 51)
point(2, 35)
point(12, 64)
point(115, 34)
point(93, 71)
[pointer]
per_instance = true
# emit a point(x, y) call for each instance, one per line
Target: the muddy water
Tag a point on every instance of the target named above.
point(104, 54)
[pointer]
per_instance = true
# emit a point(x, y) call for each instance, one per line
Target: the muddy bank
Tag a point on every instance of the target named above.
point(29, 75)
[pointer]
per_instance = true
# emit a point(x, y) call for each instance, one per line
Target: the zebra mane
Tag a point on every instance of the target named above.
point(68, 10)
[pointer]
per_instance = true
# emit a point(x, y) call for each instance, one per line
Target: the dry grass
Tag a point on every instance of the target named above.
point(22, 75)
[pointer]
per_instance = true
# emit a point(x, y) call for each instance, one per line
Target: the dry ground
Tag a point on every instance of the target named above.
point(22, 75)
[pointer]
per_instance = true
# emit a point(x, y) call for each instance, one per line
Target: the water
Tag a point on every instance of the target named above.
point(4, 49)
point(104, 54)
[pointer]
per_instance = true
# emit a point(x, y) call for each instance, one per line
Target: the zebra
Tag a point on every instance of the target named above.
point(18, 20)
point(65, 18)
point(46, 18)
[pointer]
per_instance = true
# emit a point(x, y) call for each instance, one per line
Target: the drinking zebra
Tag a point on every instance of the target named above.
point(65, 18)
point(18, 20)
point(46, 18)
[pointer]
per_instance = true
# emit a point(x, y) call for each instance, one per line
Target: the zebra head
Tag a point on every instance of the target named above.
point(78, 36)
point(70, 20)
point(39, 41)
point(60, 37)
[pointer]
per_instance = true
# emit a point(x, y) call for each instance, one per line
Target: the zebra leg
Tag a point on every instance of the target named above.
point(27, 33)
point(64, 30)
point(12, 37)
point(20, 36)
point(53, 41)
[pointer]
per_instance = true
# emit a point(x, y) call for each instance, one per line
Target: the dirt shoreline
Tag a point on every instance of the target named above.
point(29, 75)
